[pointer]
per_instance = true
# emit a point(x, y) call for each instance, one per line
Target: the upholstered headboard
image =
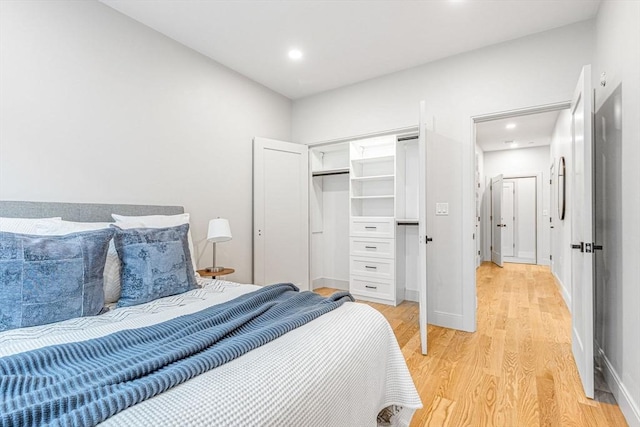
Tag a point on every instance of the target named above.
point(84, 212)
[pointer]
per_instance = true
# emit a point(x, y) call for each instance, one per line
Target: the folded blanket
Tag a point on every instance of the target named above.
point(86, 382)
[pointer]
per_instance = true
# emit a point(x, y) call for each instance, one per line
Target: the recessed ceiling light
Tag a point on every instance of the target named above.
point(514, 145)
point(295, 54)
point(510, 126)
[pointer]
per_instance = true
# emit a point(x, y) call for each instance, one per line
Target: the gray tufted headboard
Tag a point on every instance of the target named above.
point(83, 212)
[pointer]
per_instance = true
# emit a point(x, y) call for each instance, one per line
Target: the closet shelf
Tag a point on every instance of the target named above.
point(385, 196)
point(336, 171)
point(373, 178)
point(373, 159)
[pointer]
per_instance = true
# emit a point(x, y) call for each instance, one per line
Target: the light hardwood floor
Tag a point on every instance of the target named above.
point(515, 370)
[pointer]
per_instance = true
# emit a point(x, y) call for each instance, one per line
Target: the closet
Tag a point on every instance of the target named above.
point(364, 217)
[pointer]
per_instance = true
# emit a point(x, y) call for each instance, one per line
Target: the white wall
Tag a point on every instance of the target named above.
point(514, 162)
point(96, 107)
point(561, 235)
point(535, 70)
point(618, 55)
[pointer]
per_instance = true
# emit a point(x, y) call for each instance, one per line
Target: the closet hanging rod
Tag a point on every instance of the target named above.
point(407, 138)
point(320, 173)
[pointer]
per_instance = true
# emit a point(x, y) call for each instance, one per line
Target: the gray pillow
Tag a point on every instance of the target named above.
point(156, 263)
point(46, 279)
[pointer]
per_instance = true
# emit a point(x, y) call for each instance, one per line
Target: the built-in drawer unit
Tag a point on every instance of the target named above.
point(373, 227)
point(373, 267)
point(372, 287)
point(372, 247)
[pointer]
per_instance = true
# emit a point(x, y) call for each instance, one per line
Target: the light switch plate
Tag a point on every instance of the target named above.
point(442, 208)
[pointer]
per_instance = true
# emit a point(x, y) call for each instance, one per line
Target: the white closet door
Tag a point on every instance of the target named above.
point(422, 228)
point(280, 213)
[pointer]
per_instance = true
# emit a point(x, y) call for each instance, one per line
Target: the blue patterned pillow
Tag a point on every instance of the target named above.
point(46, 279)
point(156, 263)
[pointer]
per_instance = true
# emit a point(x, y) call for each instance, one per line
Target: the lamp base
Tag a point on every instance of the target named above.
point(214, 269)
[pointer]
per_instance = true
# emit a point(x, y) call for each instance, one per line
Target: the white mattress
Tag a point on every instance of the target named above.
point(338, 370)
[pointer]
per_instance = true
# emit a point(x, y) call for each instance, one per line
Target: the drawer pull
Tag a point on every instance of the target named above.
point(372, 267)
point(370, 227)
point(370, 287)
point(371, 247)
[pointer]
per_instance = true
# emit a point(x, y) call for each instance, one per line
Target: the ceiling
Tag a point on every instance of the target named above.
point(534, 130)
point(344, 41)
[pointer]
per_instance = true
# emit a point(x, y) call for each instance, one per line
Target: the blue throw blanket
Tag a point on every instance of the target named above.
point(84, 383)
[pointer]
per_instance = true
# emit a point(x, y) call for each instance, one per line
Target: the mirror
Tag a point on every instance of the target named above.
point(562, 186)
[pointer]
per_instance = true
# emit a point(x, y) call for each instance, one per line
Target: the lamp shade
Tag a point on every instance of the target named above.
point(219, 230)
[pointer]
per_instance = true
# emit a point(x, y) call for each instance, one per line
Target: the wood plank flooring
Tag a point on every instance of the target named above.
point(515, 370)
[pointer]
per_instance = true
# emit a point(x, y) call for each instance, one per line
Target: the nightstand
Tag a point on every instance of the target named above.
point(205, 273)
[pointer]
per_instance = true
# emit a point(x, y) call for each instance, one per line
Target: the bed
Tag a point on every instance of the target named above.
point(343, 368)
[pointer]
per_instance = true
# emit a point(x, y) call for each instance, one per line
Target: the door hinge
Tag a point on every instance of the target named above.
point(491, 247)
point(478, 252)
point(550, 182)
point(551, 257)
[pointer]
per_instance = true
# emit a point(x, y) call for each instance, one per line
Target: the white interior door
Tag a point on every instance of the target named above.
point(496, 219)
point(422, 229)
point(582, 230)
point(508, 219)
point(280, 213)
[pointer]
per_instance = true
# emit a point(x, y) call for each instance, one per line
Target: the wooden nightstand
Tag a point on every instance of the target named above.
point(205, 273)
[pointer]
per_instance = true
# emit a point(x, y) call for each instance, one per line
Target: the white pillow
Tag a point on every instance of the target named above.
point(158, 221)
point(26, 225)
point(112, 265)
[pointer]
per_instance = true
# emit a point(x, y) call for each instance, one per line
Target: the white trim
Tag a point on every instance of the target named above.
point(566, 296)
point(452, 320)
point(325, 282)
point(521, 112)
point(408, 131)
point(630, 409)
point(411, 295)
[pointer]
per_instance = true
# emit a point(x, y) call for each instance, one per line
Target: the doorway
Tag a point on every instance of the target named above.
point(516, 145)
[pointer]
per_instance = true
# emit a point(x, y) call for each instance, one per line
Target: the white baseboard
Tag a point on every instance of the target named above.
point(411, 295)
point(447, 320)
point(563, 291)
point(325, 282)
point(519, 260)
point(630, 409)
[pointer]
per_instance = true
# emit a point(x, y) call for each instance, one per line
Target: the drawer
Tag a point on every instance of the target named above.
point(375, 288)
point(372, 267)
point(373, 227)
point(372, 247)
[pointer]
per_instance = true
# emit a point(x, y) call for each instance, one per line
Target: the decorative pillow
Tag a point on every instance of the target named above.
point(112, 265)
point(26, 225)
point(46, 279)
point(156, 263)
point(157, 221)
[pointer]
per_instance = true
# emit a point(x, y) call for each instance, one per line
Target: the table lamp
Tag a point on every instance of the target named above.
point(219, 231)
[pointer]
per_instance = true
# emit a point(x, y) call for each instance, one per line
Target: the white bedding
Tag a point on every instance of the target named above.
point(338, 370)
